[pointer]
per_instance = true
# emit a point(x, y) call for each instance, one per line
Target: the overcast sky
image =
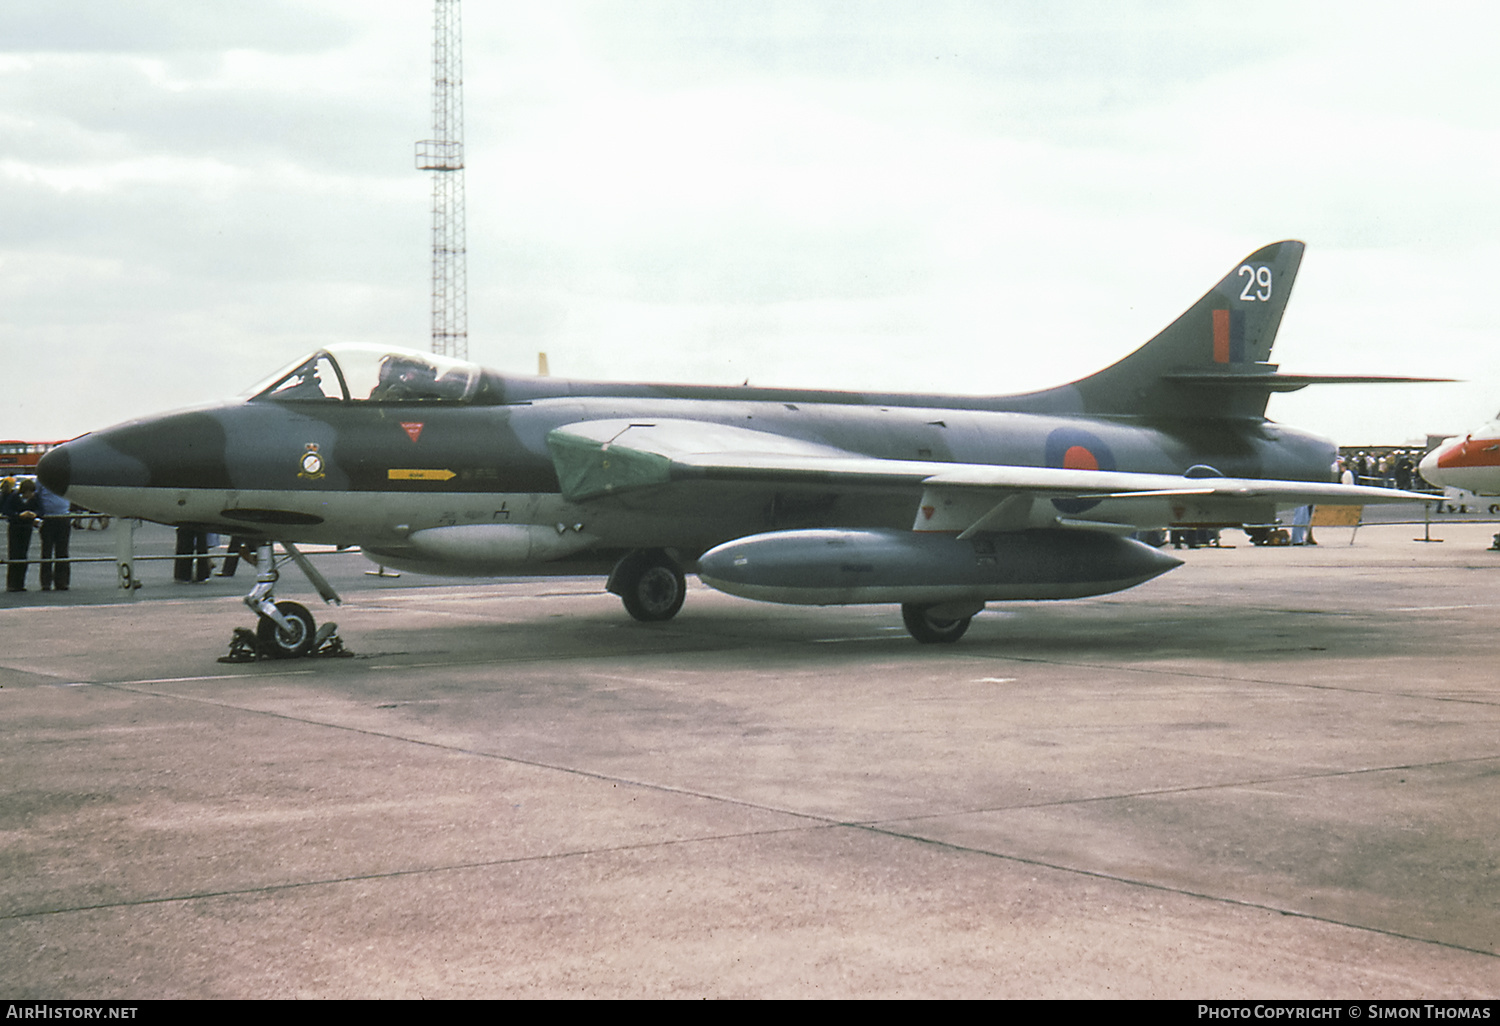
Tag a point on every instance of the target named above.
point(975, 197)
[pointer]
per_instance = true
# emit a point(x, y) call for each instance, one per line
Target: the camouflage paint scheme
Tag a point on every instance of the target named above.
point(506, 474)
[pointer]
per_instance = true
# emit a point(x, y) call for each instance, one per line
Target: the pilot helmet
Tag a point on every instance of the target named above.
point(394, 368)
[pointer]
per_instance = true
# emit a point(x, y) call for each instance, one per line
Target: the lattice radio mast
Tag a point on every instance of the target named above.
point(443, 155)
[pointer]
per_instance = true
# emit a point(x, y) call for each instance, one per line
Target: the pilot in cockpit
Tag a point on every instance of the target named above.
point(404, 377)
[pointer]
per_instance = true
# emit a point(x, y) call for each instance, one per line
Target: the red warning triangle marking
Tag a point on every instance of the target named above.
point(413, 429)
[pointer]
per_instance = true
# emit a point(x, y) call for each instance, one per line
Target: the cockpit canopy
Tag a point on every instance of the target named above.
point(365, 373)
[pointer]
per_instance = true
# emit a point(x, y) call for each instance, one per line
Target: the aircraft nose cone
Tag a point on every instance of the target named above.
point(1428, 468)
point(55, 470)
point(77, 469)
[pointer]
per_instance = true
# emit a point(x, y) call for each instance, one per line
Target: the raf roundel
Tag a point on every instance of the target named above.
point(1075, 449)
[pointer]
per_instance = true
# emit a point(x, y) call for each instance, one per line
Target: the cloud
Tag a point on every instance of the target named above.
point(163, 27)
point(963, 196)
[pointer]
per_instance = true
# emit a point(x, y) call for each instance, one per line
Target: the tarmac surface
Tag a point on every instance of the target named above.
point(1270, 773)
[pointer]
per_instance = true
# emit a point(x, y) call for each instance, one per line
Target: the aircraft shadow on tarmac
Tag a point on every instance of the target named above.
point(1134, 630)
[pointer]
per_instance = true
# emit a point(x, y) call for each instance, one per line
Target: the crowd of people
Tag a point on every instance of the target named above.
point(1394, 469)
point(29, 508)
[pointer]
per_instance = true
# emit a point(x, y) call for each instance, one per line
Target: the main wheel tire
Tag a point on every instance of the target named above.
point(282, 644)
point(930, 631)
point(652, 587)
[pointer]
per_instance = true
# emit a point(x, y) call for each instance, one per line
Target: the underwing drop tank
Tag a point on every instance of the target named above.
point(849, 567)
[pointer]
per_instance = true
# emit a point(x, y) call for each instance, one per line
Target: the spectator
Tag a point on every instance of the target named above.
point(19, 506)
point(57, 529)
point(190, 543)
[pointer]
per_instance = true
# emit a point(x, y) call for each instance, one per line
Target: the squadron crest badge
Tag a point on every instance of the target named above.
point(311, 463)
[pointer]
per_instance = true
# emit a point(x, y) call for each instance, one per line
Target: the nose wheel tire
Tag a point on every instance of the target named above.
point(651, 585)
point(279, 643)
point(930, 630)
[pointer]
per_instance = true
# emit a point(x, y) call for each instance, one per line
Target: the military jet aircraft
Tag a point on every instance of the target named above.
point(938, 503)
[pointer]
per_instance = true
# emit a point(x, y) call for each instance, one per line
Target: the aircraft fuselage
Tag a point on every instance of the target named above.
point(374, 474)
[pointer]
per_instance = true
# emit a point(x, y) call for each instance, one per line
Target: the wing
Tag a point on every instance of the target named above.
point(600, 458)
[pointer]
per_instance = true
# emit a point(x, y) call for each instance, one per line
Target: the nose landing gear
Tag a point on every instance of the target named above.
point(285, 630)
point(294, 640)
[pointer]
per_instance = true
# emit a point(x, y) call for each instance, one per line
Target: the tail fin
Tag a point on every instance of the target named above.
point(1213, 360)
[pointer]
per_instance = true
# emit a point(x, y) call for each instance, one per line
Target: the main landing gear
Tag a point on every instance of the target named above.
point(285, 630)
point(938, 625)
point(652, 586)
point(650, 583)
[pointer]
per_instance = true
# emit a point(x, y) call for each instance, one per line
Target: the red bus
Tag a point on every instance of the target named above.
point(17, 457)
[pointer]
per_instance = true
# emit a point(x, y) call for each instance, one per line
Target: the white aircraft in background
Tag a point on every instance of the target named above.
point(1469, 464)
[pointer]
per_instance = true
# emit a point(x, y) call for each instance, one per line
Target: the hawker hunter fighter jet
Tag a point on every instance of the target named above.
point(938, 503)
